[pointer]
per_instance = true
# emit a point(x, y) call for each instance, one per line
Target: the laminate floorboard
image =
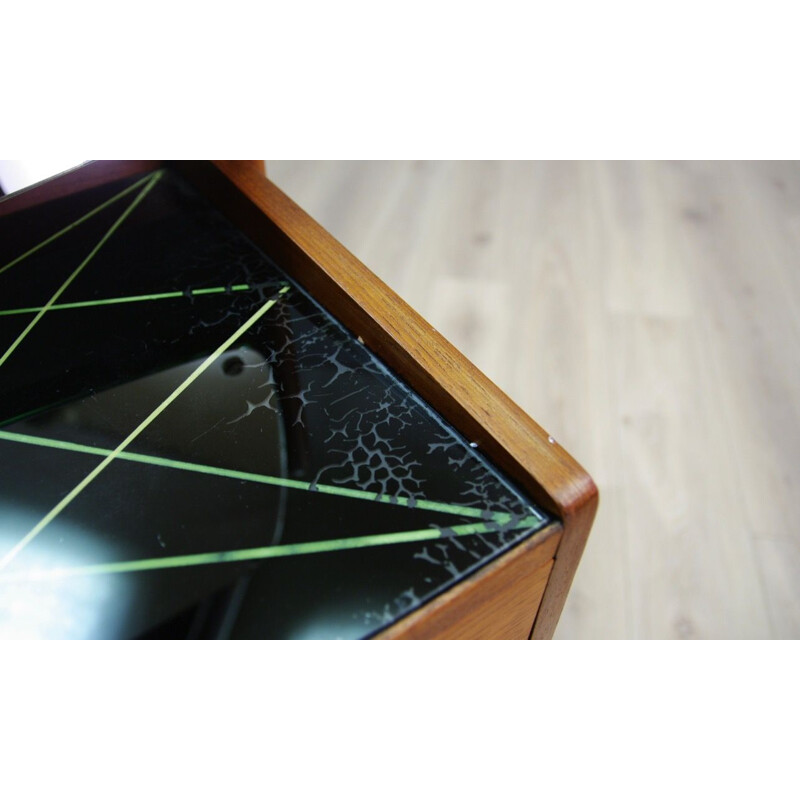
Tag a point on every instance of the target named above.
point(647, 314)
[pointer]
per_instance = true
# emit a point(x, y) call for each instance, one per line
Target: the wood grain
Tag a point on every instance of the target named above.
point(452, 385)
point(498, 602)
point(428, 362)
point(88, 176)
point(652, 324)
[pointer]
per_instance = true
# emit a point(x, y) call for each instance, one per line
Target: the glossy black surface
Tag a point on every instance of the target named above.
point(221, 458)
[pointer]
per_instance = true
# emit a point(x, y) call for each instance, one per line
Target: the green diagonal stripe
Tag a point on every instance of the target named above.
point(77, 222)
point(61, 289)
point(259, 553)
point(241, 287)
point(76, 490)
point(499, 517)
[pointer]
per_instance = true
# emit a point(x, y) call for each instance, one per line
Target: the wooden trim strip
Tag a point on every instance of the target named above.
point(397, 334)
point(419, 354)
point(87, 176)
point(497, 602)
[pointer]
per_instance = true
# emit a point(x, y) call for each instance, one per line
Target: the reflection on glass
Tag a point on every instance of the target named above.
point(191, 446)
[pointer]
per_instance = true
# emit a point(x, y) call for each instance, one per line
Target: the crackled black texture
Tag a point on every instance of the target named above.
point(295, 397)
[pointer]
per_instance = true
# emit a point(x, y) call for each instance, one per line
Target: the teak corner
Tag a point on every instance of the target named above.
point(518, 595)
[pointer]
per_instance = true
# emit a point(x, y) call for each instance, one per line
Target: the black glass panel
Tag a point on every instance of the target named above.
point(190, 446)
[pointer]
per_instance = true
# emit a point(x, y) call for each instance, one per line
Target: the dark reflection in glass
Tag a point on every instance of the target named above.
point(191, 447)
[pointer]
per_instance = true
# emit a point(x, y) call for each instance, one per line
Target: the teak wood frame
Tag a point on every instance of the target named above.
point(522, 593)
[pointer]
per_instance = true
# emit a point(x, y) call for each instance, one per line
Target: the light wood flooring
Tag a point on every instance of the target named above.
point(648, 316)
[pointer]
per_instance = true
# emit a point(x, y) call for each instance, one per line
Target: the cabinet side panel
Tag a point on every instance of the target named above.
point(499, 602)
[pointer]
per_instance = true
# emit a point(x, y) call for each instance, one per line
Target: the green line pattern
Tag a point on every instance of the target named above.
point(152, 182)
point(70, 496)
point(240, 287)
point(484, 520)
point(260, 553)
point(498, 517)
point(77, 222)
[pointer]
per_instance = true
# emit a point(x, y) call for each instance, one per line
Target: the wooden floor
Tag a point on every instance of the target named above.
point(648, 316)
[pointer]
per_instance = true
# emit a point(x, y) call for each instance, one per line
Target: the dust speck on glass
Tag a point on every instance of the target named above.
point(190, 446)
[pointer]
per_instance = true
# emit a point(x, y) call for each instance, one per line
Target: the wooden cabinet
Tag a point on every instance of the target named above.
point(452, 424)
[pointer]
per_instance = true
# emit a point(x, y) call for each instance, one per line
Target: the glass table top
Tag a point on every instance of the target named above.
point(191, 446)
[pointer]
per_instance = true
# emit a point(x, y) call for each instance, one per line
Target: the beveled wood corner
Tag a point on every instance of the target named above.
point(522, 593)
